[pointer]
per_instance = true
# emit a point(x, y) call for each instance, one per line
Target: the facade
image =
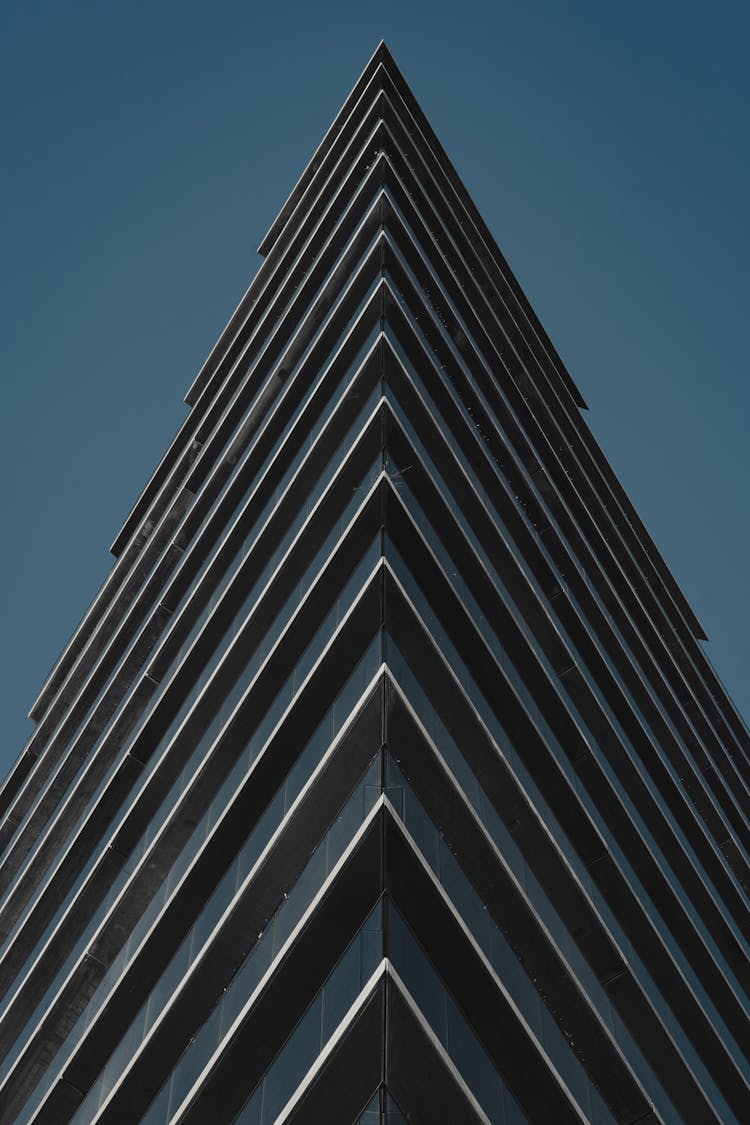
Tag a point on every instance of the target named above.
point(385, 779)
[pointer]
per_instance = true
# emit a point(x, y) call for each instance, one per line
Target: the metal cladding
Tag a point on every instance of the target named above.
point(385, 778)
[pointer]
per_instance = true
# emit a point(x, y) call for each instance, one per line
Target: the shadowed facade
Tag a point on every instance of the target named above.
point(385, 779)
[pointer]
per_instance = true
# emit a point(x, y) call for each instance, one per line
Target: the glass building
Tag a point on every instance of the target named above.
point(385, 779)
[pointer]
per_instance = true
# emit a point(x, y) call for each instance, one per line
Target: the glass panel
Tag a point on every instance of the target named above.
point(510, 851)
point(200, 751)
point(371, 1115)
point(489, 714)
point(321, 1019)
point(287, 438)
point(254, 967)
point(452, 570)
point(488, 935)
point(514, 472)
point(315, 748)
point(393, 1114)
point(263, 642)
point(319, 486)
point(446, 1020)
point(337, 714)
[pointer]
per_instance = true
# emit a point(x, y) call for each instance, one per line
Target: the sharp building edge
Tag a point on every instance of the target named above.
point(385, 779)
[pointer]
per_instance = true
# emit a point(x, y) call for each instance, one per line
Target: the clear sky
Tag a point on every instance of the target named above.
point(147, 147)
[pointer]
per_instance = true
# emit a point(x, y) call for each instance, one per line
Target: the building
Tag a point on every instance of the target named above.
point(385, 778)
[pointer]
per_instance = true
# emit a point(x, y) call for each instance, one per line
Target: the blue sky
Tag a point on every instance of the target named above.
point(148, 146)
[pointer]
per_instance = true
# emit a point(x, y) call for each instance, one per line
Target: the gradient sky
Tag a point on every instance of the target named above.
point(148, 146)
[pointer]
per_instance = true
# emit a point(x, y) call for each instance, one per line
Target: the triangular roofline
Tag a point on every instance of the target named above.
point(382, 57)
